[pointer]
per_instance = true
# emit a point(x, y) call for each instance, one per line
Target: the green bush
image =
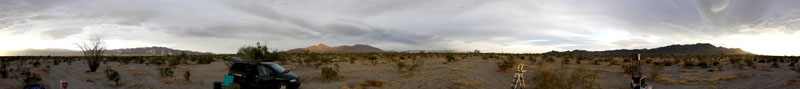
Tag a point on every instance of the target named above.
point(259, 53)
point(36, 63)
point(656, 69)
point(507, 64)
point(400, 65)
point(165, 71)
point(31, 78)
point(577, 79)
point(112, 75)
point(204, 60)
point(186, 75)
point(450, 58)
point(328, 73)
point(174, 61)
point(3, 70)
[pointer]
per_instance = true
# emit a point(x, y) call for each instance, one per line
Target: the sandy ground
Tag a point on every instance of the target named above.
point(467, 73)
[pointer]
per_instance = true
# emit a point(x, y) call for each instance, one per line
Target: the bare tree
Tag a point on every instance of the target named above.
point(93, 51)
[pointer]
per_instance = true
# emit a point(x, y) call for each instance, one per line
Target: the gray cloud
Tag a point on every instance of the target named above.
point(403, 24)
point(57, 34)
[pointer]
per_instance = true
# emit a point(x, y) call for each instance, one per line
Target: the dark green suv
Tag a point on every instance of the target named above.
point(261, 75)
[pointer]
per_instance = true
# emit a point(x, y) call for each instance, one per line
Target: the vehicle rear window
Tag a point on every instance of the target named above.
point(238, 70)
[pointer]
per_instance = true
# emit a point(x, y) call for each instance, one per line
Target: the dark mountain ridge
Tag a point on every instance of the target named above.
point(677, 49)
point(322, 48)
point(145, 51)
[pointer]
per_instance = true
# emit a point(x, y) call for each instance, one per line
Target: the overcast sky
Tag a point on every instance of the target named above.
point(520, 26)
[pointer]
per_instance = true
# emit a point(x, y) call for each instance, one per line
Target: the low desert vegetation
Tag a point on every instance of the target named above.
point(329, 73)
point(580, 78)
point(112, 75)
point(507, 64)
point(165, 71)
point(578, 71)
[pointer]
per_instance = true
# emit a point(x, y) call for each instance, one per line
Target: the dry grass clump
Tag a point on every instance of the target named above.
point(579, 78)
point(688, 81)
point(506, 65)
point(328, 73)
point(465, 82)
point(656, 69)
point(720, 79)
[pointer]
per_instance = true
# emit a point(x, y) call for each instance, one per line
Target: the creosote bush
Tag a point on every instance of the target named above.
point(112, 75)
point(400, 65)
point(507, 64)
point(328, 73)
point(656, 69)
point(165, 71)
point(30, 77)
point(450, 58)
point(186, 75)
point(259, 53)
point(580, 78)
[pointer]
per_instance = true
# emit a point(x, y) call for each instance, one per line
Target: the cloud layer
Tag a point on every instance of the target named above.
point(489, 25)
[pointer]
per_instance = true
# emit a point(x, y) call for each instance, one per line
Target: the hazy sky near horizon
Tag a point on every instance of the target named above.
point(221, 26)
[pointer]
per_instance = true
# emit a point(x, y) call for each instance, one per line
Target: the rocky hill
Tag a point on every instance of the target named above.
point(322, 48)
point(159, 51)
point(678, 49)
point(149, 51)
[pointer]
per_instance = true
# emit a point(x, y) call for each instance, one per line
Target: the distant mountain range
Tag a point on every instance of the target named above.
point(148, 51)
point(687, 49)
point(322, 48)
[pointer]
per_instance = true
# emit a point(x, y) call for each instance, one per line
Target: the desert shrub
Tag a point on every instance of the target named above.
point(56, 62)
point(703, 64)
point(174, 61)
point(749, 62)
point(668, 63)
point(373, 62)
point(30, 77)
point(580, 78)
point(352, 60)
point(507, 64)
point(36, 63)
point(112, 75)
point(125, 60)
point(796, 69)
point(688, 64)
point(565, 61)
point(416, 65)
point(259, 53)
point(613, 62)
point(204, 60)
point(775, 65)
point(595, 62)
point(547, 79)
point(165, 71)
point(328, 73)
point(656, 69)
point(157, 60)
point(629, 69)
point(138, 60)
point(549, 59)
point(4, 70)
point(186, 75)
point(400, 65)
point(450, 58)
